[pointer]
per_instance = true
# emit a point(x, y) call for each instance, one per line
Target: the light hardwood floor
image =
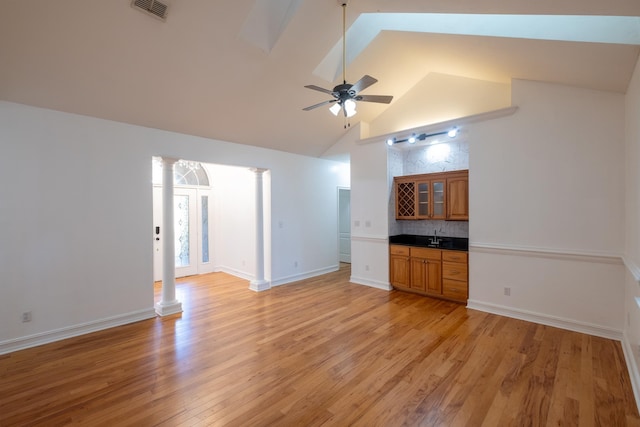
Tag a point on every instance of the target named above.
point(318, 352)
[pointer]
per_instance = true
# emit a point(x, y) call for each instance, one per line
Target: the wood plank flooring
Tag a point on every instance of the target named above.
point(318, 352)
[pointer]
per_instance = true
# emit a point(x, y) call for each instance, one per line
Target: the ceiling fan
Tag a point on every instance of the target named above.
point(345, 95)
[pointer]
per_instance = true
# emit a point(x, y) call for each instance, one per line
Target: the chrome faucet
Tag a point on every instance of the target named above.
point(435, 240)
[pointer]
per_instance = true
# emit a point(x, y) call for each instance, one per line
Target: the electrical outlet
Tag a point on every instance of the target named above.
point(295, 263)
point(26, 317)
point(366, 268)
point(507, 291)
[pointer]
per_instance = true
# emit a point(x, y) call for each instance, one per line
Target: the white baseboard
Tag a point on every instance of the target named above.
point(232, 271)
point(545, 319)
point(632, 368)
point(29, 341)
point(372, 283)
point(305, 275)
point(259, 286)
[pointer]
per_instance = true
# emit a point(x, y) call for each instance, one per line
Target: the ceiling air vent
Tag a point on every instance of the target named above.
point(152, 7)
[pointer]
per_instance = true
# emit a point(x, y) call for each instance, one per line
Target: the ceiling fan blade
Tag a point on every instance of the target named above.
point(383, 99)
point(363, 83)
point(320, 104)
point(320, 89)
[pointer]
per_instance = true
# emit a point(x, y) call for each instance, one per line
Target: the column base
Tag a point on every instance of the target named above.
point(259, 285)
point(165, 309)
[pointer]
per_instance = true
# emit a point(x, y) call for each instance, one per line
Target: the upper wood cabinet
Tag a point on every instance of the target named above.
point(458, 198)
point(430, 199)
point(433, 196)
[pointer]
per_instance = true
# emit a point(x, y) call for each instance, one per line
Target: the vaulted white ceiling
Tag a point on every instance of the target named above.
point(236, 70)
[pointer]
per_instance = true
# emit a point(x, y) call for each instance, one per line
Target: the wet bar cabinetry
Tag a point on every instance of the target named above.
point(429, 271)
point(433, 196)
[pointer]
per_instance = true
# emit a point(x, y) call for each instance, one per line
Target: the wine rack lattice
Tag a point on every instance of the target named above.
point(406, 199)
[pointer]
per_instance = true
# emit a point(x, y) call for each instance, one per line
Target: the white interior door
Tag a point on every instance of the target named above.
point(344, 224)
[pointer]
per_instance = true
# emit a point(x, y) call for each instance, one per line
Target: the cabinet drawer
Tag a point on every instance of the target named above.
point(434, 254)
point(454, 256)
point(454, 271)
point(454, 289)
point(399, 250)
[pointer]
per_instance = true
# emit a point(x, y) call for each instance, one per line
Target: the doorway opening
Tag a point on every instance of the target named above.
point(192, 225)
point(344, 224)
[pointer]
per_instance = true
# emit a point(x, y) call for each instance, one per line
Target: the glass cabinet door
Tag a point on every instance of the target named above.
point(438, 199)
point(423, 199)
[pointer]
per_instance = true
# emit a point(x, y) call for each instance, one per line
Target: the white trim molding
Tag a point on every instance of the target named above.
point(632, 367)
point(442, 126)
point(560, 254)
point(545, 319)
point(29, 341)
point(385, 286)
point(306, 275)
point(372, 239)
point(233, 272)
point(259, 285)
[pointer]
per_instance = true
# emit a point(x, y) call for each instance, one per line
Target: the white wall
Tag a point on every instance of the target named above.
point(76, 218)
point(233, 220)
point(369, 217)
point(631, 341)
point(546, 216)
point(440, 97)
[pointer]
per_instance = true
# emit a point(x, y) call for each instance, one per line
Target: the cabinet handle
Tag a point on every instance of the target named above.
point(455, 272)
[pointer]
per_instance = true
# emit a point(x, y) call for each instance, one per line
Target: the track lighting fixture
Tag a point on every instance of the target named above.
point(451, 133)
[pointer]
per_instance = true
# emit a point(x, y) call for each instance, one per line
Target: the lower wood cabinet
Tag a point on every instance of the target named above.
point(432, 272)
point(426, 270)
point(455, 275)
point(400, 266)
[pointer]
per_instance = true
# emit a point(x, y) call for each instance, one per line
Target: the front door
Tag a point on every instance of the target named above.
point(190, 219)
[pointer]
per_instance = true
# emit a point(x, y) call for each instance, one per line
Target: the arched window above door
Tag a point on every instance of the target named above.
point(185, 172)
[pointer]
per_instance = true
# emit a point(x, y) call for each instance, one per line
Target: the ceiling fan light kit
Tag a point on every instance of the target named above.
point(345, 95)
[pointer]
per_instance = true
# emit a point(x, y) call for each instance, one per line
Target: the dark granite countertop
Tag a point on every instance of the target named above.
point(451, 243)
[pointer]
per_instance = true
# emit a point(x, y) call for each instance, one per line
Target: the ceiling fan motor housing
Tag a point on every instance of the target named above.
point(343, 92)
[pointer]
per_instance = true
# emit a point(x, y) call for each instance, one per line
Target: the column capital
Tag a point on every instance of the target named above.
point(258, 171)
point(169, 160)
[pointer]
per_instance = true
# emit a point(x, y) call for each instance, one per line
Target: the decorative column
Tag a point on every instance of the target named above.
point(169, 304)
point(258, 283)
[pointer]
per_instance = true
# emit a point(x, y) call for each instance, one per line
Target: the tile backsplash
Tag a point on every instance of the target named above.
point(449, 156)
point(431, 227)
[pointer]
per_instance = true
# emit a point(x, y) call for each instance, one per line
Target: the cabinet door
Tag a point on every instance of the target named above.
point(400, 273)
point(438, 195)
point(423, 199)
point(419, 274)
point(434, 277)
point(458, 195)
point(426, 275)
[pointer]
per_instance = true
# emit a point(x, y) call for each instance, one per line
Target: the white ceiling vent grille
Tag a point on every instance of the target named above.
point(151, 7)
